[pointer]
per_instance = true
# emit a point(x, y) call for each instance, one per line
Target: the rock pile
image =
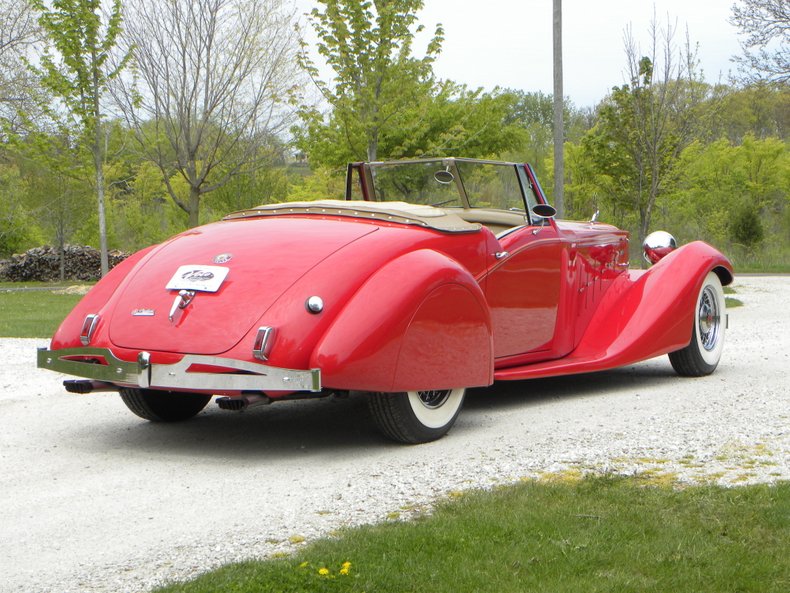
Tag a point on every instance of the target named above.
point(43, 264)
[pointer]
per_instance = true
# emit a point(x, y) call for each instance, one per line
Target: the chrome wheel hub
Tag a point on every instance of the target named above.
point(709, 319)
point(434, 399)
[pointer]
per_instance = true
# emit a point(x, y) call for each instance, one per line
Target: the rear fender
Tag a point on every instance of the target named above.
point(420, 322)
point(649, 313)
point(68, 334)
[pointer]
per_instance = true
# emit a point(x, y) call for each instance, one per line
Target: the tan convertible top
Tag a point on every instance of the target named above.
point(400, 212)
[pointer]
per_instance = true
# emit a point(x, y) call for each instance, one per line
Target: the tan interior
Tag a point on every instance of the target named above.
point(497, 221)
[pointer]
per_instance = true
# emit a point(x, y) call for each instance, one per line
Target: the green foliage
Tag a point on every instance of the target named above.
point(736, 196)
point(75, 67)
point(376, 78)
point(385, 102)
point(745, 226)
point(265, 186)
point(762, 111)
point(600, 535)
point(323, 183)
point(17, 226)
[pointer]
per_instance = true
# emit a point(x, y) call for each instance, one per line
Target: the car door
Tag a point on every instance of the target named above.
point(523, 291)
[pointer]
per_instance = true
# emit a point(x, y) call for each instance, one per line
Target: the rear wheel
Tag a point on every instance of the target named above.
point(702, 355)
point(163, 406)
point(416, 416)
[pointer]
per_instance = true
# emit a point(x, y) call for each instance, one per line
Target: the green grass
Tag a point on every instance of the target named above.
point(33, 314)
point(731, 302)
point(600, 534)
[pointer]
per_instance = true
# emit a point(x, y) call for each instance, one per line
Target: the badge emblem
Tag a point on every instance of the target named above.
point(143, 312)
point(223, 258)
point(197, 275)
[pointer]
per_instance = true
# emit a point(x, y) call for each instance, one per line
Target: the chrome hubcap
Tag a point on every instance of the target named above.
point(709, 320)
point(434, 399)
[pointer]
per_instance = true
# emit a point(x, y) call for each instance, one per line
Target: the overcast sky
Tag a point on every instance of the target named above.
point(508, 43)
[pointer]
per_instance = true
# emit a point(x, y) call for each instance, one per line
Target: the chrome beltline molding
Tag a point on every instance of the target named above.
point(252, 376)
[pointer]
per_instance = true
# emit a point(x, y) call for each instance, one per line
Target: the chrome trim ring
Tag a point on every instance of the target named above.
point(709, 319)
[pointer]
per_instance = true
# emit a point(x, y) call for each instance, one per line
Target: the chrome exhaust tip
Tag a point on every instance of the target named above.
point(239, 403)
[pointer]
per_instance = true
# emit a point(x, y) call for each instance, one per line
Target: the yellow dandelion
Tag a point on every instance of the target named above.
point(324, 572)
point(345, 568)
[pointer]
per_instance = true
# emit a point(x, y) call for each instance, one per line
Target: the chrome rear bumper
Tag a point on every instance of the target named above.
point(237, 375)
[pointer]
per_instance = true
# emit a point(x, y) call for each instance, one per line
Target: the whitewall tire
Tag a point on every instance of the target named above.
point(416, 416)
point(702, 355)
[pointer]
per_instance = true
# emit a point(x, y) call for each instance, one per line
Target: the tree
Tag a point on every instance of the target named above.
point(766, 49)
point(19, 32)
point(213, 83)
point(451, 120)
point(377, 81)
point(644, 125)
point(534, 112)
point(759, 109)
point(74, 68)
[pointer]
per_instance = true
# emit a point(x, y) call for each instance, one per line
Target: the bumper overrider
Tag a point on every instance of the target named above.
point(232, 375)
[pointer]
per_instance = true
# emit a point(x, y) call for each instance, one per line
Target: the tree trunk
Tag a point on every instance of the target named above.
point(61, 250)
point(98, 163)
point(194, 206)
point(559, 129)
point(373, 146)
point(105, 264)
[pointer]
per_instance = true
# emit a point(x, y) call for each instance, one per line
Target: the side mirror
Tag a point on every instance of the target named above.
point(543, 212)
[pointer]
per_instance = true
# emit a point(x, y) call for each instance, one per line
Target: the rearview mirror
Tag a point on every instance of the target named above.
point(445, 176)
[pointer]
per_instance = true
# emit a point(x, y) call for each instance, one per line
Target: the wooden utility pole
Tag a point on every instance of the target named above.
point(559, 128)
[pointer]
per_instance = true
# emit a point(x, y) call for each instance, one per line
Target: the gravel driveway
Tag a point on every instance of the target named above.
point(96, 500)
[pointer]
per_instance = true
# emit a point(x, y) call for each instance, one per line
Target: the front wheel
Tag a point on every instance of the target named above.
point(702, 355)
point(163, 406)
point(416, 416)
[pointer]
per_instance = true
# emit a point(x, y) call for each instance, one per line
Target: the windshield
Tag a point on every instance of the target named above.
point(490, 185)
point(428, 183)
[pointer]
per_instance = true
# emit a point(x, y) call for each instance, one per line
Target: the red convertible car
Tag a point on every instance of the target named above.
point(433, 276)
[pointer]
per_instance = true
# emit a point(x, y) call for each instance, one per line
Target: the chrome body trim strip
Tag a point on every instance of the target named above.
point(251, 376)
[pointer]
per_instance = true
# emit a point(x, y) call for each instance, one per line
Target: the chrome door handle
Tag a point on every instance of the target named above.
point(501, 254)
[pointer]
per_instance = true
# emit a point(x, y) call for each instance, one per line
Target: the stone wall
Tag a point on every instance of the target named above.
point(43, 264)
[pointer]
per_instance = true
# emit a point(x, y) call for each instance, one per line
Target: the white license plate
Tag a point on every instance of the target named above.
point(198, 278)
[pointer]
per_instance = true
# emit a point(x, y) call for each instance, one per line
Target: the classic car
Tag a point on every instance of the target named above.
point(431, 277)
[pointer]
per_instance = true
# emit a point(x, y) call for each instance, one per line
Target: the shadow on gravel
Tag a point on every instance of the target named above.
point(336, 427)
point(518, 394)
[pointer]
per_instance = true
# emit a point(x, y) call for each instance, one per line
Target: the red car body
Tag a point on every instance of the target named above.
point(407, 299)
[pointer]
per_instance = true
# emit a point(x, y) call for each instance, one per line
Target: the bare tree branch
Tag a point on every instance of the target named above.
point(766, 48)
point(19, 32)
point(211, 91)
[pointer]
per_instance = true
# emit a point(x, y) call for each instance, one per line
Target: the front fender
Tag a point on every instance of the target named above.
point(653, 313)
point(420, 322)
point(643, 314)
